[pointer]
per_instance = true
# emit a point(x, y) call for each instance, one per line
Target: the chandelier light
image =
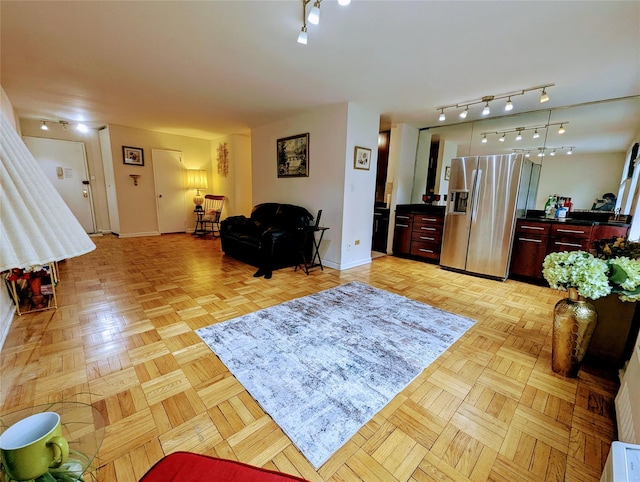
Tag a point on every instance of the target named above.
point(544, 97)
point(313, 17)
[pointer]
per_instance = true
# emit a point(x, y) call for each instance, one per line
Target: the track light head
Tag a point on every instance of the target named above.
point(536, 134)
point(463, 114)
point(544, 97)
point(484, 139)
point(314, 13)
point(44, 126)
point(302, 36)
point(570, 151)
point(509, 105)
point(561, 130)
point(486, 110)
point(504, 136)
point(442, 116)
point(519, 136)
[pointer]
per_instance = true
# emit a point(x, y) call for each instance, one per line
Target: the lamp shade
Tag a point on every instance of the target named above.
point(196, 179)
point(37, 227)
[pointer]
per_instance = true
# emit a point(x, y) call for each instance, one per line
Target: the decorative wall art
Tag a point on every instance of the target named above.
point(362, 158)
point(223, 159)
point(293, 156)
point(133, 156)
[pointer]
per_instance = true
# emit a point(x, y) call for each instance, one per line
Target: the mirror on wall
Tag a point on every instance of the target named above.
point(583, 162)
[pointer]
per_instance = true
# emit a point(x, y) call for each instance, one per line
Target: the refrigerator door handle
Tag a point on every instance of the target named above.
point(477, 177)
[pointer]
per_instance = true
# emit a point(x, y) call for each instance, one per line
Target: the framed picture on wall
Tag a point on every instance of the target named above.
point(133, 156)
point(362, 158)
point(292, 154)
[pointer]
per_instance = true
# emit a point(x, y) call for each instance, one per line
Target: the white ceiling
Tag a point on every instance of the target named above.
point(212, 68)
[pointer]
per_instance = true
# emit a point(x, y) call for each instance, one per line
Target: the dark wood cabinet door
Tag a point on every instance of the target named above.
point(402, 234)
point(528, 255)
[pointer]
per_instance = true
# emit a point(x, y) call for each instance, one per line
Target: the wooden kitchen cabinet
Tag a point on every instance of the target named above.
point(426, 235)
point(402, 234)
point(529, 248)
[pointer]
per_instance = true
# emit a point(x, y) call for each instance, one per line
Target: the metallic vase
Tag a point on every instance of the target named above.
point(573, 325)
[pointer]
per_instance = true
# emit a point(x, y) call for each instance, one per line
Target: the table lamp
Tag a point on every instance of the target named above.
point(197, 179)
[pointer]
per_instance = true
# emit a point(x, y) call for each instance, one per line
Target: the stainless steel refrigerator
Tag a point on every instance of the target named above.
point(486, 195)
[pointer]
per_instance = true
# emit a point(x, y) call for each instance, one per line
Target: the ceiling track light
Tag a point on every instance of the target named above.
point(442, 117)
point(488, 98)
point(44, 126)
point(520, 130)
point(313, 17)
point(502, 138)
point(561, 130)
point(509, 105)
point(314, 13)
point(463, 114)
point(484, 139)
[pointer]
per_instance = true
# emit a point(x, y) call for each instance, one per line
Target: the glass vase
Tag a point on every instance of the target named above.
point(574, 321)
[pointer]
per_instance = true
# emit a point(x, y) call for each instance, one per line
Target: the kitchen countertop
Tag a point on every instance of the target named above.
point(581, 219)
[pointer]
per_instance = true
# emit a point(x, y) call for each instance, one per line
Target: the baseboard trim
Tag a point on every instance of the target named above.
point(5, 324)
point(341, 267)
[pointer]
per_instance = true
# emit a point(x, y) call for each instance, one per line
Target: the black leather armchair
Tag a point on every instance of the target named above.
point(270, 239)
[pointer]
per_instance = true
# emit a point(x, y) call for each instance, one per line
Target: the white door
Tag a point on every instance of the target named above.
point(65, 165)
point(168, 175)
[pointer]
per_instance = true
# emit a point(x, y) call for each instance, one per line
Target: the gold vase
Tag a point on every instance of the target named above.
point(574, 321)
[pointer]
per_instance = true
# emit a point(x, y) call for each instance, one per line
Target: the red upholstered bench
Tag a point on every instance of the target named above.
point(189, 467)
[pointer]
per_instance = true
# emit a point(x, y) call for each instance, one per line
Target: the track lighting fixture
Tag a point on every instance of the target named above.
point(509, 105)
point(442, 116)
point(570, 151)
point(553, 153)
point(502, 138)
point(314, 13)
point(520, 130)
point(484, 139)
point(302, 36)
point(463, 114)
point(554, 150)
point(489, 98)
point(313, 17)
point(44, 126)
point(64, 124)
point(544, 97)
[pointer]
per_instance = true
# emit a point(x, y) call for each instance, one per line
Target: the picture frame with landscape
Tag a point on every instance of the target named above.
point(292, 154)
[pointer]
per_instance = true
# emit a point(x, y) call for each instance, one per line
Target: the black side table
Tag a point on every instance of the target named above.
point(199, 229)
point(310, 231)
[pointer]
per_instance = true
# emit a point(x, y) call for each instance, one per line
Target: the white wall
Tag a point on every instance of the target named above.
point(582, 177)
point(333, 130)
point(7, 308)
point(236, 185)
point(423, 151)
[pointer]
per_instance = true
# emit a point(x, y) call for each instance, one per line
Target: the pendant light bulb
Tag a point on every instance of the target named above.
point(463, 114)
point(561, 130)
point(536, 134)
point(502, 138)
point(519, 136)
point(484, 139)
point(44, 126)
point(544, 97)
point(509, 105)
point(528, 154)
point(570, 151)
point(486, 110)
point(314, 13)
point(442, 116)
point(302, 36)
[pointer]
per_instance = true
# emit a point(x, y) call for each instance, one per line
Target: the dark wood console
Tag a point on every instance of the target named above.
point(418, 232)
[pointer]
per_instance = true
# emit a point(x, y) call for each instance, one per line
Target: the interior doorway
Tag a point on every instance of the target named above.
point(65, 165)
point(168, 175)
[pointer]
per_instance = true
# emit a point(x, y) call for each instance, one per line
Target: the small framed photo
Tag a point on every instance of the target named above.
point(293, 156)
point(362, 158)
point(133, 156)
point(447, 173)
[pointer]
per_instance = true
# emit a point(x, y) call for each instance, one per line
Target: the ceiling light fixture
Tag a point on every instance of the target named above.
point(561, 130)
point(442, 116)
point(544, 97)
point(44, 126)
point(488, 98)
point(484, 139)
point(502, 138)
point(509, 105)
point(570, 151)
point(463, 114)
point(313, 17)
point(553, 153)
point(314, 13)
point(520, 130)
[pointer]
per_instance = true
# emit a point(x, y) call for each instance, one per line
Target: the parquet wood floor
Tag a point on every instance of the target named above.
point(123, 339)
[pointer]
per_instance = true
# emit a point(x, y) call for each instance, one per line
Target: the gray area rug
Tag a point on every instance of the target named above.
point(323, 365)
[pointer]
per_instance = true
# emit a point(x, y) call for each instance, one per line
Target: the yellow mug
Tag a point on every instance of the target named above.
point(33, 445)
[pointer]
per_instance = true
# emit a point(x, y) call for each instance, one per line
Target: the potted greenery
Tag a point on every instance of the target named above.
point(584, 275)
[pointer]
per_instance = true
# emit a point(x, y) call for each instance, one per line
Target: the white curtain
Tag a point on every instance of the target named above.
point(36, 226)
